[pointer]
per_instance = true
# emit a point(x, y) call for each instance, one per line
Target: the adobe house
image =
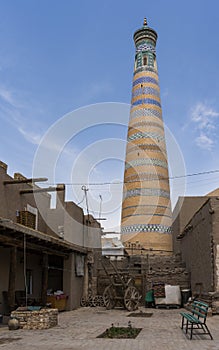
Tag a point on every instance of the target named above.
point(42, 249)
point(196, 237)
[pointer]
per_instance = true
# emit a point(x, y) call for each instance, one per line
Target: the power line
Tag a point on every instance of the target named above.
point(195, 174)
point(149, 179)
point(81, 200)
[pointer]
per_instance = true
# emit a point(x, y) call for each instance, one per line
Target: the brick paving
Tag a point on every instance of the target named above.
point(78, 329)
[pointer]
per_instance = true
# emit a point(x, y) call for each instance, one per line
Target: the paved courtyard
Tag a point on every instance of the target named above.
point(78, 329)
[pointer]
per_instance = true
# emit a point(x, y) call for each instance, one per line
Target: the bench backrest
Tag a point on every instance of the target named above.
point(200, 309)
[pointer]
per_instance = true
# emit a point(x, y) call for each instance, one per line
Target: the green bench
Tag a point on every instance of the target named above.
point(196, 319)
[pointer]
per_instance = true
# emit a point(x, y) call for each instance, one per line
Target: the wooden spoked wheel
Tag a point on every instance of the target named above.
point(98, 300)
point(90, 301)
point(83, 301)
point(131, 298)
point(109, 297)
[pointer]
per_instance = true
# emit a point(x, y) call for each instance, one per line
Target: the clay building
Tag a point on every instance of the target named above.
point(42, 251)
point(196, 238)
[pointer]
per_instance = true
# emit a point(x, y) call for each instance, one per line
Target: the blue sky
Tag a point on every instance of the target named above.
point(58, 56)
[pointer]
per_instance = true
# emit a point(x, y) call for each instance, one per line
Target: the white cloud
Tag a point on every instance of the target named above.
point(30, 135)
point(6, 95)
point(204, 142)
point(10, 97)
point(21, 115)
point(205, 119)
point(204, 116)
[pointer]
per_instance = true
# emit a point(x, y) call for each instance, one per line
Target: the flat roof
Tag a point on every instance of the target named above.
point(12, 234)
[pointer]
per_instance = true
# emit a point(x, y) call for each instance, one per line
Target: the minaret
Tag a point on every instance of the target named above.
point(146, 210)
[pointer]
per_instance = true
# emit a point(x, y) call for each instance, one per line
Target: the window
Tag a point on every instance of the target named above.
point(145, 60)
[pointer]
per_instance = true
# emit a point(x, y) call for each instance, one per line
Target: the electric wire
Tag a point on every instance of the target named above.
point(81, 200)
point(131, 181)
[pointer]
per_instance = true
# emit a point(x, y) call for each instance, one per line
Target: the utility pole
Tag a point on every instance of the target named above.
point(85, 189)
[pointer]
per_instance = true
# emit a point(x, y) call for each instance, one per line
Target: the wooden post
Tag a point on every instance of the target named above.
point(86, 279)
point(44, 278)
point(12, 278)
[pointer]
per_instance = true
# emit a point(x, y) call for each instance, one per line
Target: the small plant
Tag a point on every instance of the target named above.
point(120, 332)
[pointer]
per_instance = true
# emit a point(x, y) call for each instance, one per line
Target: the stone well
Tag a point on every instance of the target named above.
point(36, 319)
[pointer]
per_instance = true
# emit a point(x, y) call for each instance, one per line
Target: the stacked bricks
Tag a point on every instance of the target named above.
point(26, 218)
point(146, 209)
point(41, 319)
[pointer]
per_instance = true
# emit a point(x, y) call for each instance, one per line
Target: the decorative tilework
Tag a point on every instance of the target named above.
point(146, 101)
point(145, 79)
point(147, 205)
point(139, 60)
point(146, 72)
point(146, 161)
point(145, 215)
point(146, 123)
point(146, 177)
point(145, 146)
point(146, 210)
point(145, 69)
point(145, 135)
point(144, 150)
point(146, 85)
point(145, 47)
point(147, 192)
point(155, 147)
point(146, 91)
point(144, 97)
point(146, 228)
point(141, 112)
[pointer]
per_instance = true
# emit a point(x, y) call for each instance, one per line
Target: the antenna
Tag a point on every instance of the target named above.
point(101, 200)
point(85, 189)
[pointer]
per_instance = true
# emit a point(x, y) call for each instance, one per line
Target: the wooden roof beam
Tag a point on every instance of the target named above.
point(46, 189)
point(4, 240)
point(21, 181)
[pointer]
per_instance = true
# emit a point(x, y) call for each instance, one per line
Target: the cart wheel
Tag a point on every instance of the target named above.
point(83, 301)
point(90, 301)
point(101, 301)
point(109, 297)
point(98, 300)
point(131, 298)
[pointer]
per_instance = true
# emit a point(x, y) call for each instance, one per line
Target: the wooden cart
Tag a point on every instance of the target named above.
point(121, 290)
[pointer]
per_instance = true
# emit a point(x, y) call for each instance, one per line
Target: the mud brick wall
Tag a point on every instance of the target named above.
point(146, 270)
point(42, 319)
point(184, 210)
point(199, 245)
point(168, 270)
point(196, 247)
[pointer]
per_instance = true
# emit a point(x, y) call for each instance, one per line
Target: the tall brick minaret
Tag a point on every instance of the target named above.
point(146, 210)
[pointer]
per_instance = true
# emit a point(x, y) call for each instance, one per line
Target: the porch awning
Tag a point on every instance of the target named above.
point(12, 234)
